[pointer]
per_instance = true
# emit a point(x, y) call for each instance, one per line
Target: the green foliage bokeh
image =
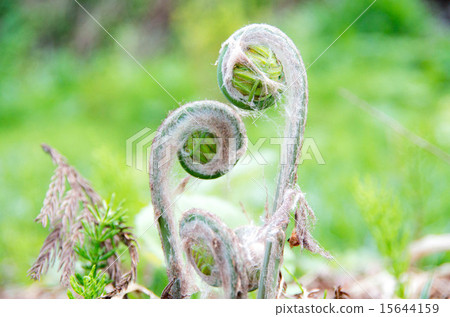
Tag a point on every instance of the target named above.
point(65, 82)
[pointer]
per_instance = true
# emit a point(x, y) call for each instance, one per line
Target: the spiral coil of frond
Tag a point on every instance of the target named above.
point(258, 67)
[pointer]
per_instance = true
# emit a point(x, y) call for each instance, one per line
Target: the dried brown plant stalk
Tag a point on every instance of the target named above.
point(68, 203)
point(304, 223)
point(128, 279)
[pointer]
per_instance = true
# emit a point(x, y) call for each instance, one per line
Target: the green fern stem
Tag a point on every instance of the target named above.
point(176, 138)
point(281, 72)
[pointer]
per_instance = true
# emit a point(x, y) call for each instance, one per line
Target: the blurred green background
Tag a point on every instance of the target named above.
point(65, 82)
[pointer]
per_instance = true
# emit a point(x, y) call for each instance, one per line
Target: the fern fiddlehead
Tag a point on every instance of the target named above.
point(256, 81)
point(214, 251)
point(256, 66)
point(199, 118)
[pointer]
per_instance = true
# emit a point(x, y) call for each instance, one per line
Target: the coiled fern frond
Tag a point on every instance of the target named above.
point(173, 139)
point(289, 81)
point(258, 67)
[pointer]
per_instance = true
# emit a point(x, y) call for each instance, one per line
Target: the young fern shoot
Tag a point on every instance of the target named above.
point(202, 117)
point(257, 66)
point(276, 70)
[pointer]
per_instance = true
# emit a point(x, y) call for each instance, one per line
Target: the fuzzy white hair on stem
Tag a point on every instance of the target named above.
point(258, 66)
